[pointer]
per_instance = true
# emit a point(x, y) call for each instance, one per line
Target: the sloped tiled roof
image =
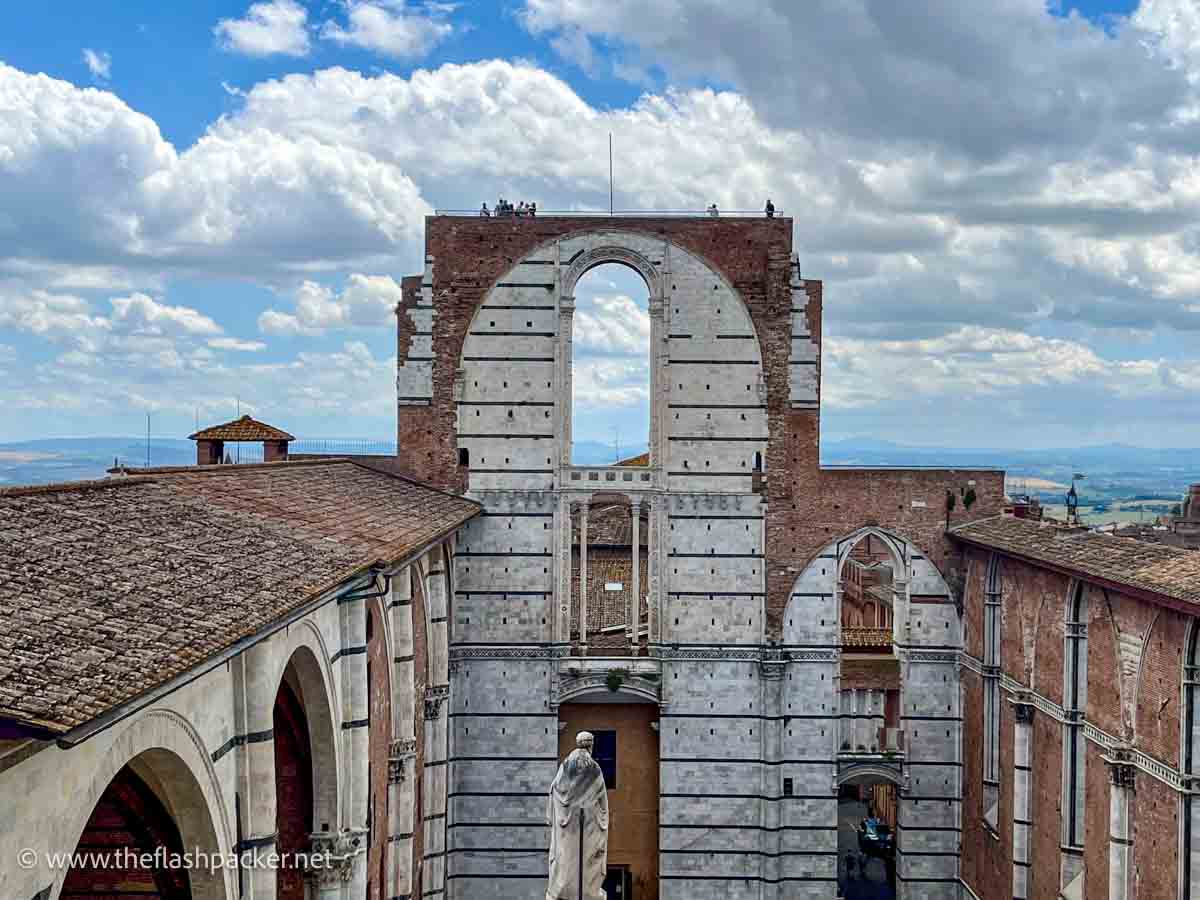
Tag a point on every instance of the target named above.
point(243, 429)
point(1137, 566)
point(111, 588)
point(642, 459)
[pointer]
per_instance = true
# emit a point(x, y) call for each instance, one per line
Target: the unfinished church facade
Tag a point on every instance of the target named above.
point(735, 692)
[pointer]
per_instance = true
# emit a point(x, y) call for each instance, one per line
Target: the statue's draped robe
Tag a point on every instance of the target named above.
point(579, 785)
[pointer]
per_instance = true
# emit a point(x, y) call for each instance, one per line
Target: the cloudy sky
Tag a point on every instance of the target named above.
point(203, 202)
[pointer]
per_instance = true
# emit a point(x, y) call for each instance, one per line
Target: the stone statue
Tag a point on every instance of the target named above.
point(578, 815)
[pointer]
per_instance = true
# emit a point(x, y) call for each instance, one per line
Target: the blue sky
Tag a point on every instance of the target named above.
point(207, 203)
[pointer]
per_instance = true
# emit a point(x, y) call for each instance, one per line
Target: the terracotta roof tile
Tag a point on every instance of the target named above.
point(1136, 565)
point(110, 588)
point(243, 429)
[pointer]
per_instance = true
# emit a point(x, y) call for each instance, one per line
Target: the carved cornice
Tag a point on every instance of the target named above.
point(401, 754)
point(434, 698)
point(332, 859)
point(466, 653)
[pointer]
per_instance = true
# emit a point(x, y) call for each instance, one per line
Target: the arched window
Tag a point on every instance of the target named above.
point(991, 693)
point(1191, 761)
point(1074, 706)
point(610, 367)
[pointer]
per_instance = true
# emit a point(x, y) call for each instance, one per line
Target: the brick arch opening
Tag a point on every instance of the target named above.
point(379, 708)
point(897, 704)
point(293, 789)
point(151, 811)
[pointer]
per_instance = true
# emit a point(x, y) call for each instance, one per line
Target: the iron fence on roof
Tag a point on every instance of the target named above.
point(619, 213)
point(341, 447)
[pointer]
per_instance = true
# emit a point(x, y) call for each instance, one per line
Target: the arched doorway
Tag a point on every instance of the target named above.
point(624, 724)
point(129, 825)
point(306, 762)
point(134, 842)
point(867, 810)
point(293, 790)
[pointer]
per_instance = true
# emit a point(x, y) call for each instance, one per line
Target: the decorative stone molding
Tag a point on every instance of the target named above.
point(332, 859)
point(611, 253)
point(773, 664)
point(401, 753)
point(465, 653)
point(1157, 769)
point(434, 698)
point(571, 686)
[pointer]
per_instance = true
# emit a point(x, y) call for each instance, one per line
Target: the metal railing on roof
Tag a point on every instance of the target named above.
point(619, 213)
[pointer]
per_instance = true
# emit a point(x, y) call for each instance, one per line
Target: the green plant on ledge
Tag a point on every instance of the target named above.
point(615, 678)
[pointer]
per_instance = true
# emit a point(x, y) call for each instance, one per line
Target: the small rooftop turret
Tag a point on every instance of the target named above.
point(210, 442)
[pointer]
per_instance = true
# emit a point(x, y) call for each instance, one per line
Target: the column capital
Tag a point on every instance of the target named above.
point(1122, 766)
point(1022, 703)
point(566, 304)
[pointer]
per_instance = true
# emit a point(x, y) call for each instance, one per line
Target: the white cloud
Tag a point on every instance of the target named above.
point(610, 383)
point(99, 63)
point(388, 27)
point(270, 27)
point(141, 314)
point(367, 301)
point(985, 363)
point(1062, 218)
point(85, 179)
point(236, 344)
point(612, 325)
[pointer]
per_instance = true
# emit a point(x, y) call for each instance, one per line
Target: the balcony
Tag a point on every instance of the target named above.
point(872, 640)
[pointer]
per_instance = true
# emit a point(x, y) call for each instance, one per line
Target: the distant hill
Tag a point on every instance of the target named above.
point(1113, 470)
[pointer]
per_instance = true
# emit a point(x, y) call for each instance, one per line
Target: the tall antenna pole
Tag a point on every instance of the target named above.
point(610, 175)
point(147, 440)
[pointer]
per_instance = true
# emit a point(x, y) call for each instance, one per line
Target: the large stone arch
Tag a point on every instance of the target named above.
point(515, 367)
point(304, 655)
point(813, 612)
point(927, 635)
point(167, 753)
point(611, 253)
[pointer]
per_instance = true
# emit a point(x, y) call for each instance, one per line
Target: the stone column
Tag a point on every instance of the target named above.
point(566, 510)
point(657, 509)
point(1121, 770)
point(635, 606)
point(562, 365)
point(256, 766)
point(1022, 776)
point(659, 313)
point(355, 731)
point(583, 580)
point(402, 753)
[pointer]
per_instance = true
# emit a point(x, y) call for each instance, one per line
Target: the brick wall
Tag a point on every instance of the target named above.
point(1045, 804)
point(1096, 830)
point(1155, 840)
point(1157, 724)
point(1134, 664)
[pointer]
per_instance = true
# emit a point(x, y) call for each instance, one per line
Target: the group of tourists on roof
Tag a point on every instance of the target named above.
point(504, 208)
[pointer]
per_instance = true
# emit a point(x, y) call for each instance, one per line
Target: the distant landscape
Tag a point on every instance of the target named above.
point(1125, 483)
